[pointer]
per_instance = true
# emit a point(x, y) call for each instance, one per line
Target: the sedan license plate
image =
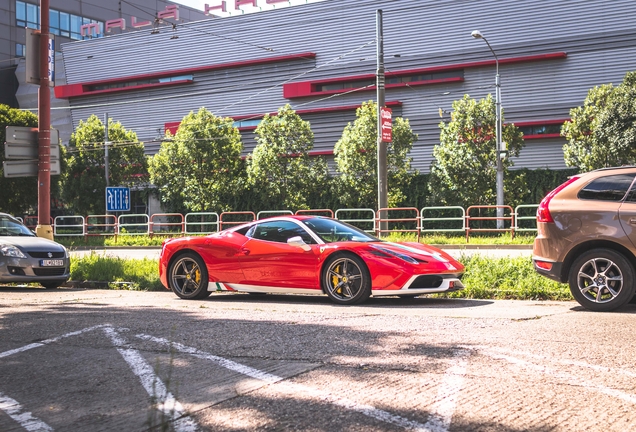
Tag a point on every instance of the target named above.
point(52, 263)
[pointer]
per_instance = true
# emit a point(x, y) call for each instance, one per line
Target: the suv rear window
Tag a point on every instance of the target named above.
point(610, 188)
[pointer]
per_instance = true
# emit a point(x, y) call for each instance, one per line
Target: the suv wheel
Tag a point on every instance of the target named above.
point(602, 280)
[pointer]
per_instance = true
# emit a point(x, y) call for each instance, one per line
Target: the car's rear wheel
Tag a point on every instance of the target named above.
point(602, 280)
point(346, 279)
point(188, 277)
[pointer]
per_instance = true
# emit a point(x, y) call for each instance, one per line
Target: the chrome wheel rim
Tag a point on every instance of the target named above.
point(600, 280)
point(344, 279)
point(186, 276)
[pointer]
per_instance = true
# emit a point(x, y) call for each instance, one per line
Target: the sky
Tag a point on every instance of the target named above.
point(200, 4)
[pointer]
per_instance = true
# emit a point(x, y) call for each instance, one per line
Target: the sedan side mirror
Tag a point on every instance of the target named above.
point(299, 242)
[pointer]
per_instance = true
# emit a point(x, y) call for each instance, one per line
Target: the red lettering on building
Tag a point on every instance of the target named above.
point(222, 7)
point(138, 24)
point(239, 3)
point(115, 23)
point(171, 11)
point(90, 29)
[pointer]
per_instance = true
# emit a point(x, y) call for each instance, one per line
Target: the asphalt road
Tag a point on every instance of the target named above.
point(88, 360)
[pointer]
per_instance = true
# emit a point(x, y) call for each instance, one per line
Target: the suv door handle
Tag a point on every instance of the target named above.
point(632, 221)
point(245, 251)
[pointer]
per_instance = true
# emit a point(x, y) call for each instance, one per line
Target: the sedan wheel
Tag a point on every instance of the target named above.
point(602, 280)
point(346, 279)
point(188, 277)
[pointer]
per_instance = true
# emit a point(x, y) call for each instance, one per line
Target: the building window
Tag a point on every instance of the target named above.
point(546, 129)
point(27, 15)
point(138, 83)
point(20, 50)
point(246, 123)
point(60, 23)
point(415, 79)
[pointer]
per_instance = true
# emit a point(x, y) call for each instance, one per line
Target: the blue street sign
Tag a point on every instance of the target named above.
point(117, 199)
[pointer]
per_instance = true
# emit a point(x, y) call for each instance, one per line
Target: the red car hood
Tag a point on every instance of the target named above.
point(420, 251)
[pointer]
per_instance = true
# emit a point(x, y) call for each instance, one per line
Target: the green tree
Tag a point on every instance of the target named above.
point(85, 181)
point(602, 132)
point(465, 164)
point(356, 158)
point(280, 169)
point(200, 168)
point(20, 195)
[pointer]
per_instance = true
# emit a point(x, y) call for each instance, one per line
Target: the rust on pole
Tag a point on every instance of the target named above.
point(44, 228)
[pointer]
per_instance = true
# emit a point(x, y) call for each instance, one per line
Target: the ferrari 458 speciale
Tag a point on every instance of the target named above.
point(304, 254)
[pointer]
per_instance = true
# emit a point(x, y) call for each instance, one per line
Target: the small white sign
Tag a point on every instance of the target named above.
point(51, 59)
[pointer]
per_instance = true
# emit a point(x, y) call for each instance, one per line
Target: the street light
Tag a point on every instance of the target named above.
point(501, 151)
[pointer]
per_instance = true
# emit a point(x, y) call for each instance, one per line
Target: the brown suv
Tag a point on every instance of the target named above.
point(587, 237)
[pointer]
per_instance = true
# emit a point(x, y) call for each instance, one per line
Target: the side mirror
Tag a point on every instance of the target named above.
point(298, 242)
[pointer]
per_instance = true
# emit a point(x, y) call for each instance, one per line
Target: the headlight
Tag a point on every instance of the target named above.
point(11, 251)
point(403, 257)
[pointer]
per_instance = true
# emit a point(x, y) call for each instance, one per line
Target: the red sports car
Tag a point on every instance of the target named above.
point(304, 254)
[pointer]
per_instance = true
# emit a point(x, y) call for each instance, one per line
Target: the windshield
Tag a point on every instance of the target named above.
point(13, 227)
point(331, 231)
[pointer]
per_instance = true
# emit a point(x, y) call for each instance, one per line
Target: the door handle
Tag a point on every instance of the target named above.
point(245, 251)
point(632, 221)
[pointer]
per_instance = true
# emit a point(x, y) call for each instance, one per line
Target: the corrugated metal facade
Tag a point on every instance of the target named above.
point(598, 36)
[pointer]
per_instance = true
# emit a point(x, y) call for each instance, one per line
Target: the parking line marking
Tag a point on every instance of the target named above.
point(14, 410)
point(448, 393)
point(445, 410)
point(568, 378)
point(563, 362)
point(152, 383)
point(48, 341)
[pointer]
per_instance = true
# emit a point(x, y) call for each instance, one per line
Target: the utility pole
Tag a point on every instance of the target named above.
point(382, 170)
point(106, 161)
point(44, 229)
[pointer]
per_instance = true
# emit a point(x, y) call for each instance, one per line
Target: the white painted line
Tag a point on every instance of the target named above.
point(228, 364)
point(552, 360)
point(153, 384)
point(24, 418)
point(567, 378)
point(370, 411)
point(448, 393)
point(48, 341)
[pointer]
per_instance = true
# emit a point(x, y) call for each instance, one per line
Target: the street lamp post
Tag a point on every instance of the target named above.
point(501, 152)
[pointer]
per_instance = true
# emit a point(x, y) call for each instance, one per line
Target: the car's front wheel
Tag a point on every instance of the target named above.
point(188, 277)
point(346, 279)
point(602, 280)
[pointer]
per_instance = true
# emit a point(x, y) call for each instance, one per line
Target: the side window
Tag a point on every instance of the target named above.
point(610, 188)
point(631, 195)
point(278, 231)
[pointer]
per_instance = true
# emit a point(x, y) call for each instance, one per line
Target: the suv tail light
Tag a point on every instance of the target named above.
point(543, 212)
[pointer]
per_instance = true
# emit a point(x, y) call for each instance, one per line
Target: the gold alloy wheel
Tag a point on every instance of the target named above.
point(186, 276)
point(344, 279)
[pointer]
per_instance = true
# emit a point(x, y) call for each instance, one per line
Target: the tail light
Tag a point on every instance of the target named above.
point(543, 212)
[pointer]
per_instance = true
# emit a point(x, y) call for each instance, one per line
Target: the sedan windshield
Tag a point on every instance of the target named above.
point(12, 227)
point(331, 231)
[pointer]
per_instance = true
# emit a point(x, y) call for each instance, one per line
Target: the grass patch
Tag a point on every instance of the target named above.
point(485, 277)
point(454, 239)
point(507, 278)
point(118, 273)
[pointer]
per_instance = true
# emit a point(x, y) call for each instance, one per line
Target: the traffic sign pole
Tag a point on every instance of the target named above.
point(44, 228)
